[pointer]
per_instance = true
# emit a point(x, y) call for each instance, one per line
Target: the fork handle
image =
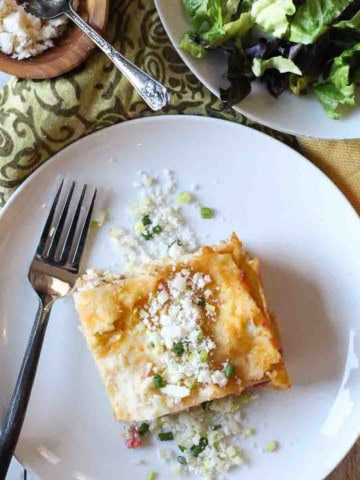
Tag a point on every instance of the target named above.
point(17, 409)
point(153, 92)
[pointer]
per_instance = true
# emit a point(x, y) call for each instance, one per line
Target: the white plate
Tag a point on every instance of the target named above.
point(289, 113)
point(286, 211)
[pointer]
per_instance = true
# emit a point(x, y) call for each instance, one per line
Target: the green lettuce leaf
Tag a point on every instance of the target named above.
point(210, 28)
point(203, 13)
point(339, 88)
point(283, 65)
point(245, 5)
point(313, 18)
point(300, 85)
point(218, 34)
point(354, 22)
point(188, 44)
point(272, 15)
point(331, 98)
point(230, 7)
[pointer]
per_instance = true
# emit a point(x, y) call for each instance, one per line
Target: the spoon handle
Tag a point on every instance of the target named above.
point(153, 92)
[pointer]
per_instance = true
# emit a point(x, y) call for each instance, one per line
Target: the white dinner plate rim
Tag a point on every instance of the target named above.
point(44, 165)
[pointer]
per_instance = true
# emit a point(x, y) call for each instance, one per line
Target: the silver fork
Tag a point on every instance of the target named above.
point(153, 92)
point(52, 274)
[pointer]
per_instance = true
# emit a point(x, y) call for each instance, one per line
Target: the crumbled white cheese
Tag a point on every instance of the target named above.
point(6, 43)
point(93, 278)
point(129, 247)
point(220, 423)
point(22, 35)
point(173, 317)
point(160, 230)
point(176, 391)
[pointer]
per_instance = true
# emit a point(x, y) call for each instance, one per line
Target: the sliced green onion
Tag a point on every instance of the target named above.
point(159, 381)
point(146, 220)
point(206, 405)
point(184, 197)
point(159, 422)
point(139, 227)
point(190, 382)
point(99, 218)
point(230, 370)
point(165, 436)
point(157, 229)
point(249, 432)
point(94, 224)
point(181, 448)
point(177, 242)
point(195, 450)
point(151, 476)
point(271, 446)
point(216, 427)
point(182, 460)
point(147, 236)
point(206, 212)
point(203, 355)
point(231, 451)
point(245, 398)
point(203, 442)
point(143, 429)
point(179, 349)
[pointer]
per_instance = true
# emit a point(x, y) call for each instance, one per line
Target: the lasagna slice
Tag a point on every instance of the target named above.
point(181, 333)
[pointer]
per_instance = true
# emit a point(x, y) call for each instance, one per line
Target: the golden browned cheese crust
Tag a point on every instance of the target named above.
point(241, 327)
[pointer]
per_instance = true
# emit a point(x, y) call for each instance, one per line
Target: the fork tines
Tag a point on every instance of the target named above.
point(63, 238)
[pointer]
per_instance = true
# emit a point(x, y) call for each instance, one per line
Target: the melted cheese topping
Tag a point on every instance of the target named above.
point(183, 324)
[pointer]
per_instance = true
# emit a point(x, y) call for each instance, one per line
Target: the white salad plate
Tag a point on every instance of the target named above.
point(289, 113)
point(284, 209)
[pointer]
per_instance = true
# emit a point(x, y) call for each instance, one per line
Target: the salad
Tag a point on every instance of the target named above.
point(301, 46)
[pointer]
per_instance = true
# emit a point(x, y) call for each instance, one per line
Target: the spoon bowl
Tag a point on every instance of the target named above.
point(45, 9)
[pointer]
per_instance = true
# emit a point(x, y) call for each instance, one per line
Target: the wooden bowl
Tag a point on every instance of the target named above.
point(72, 48)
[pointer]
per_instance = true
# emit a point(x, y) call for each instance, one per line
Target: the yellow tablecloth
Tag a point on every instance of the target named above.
point(340, 161)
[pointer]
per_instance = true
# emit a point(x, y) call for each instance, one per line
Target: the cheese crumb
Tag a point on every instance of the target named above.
point(174, 317)
point(216, 426)
point(159, 226)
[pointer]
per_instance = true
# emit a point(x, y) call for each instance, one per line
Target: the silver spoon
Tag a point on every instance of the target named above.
point(153, 92)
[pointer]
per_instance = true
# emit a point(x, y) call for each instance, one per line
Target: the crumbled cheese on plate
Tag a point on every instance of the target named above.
point(160, 231)
point(204, 440)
